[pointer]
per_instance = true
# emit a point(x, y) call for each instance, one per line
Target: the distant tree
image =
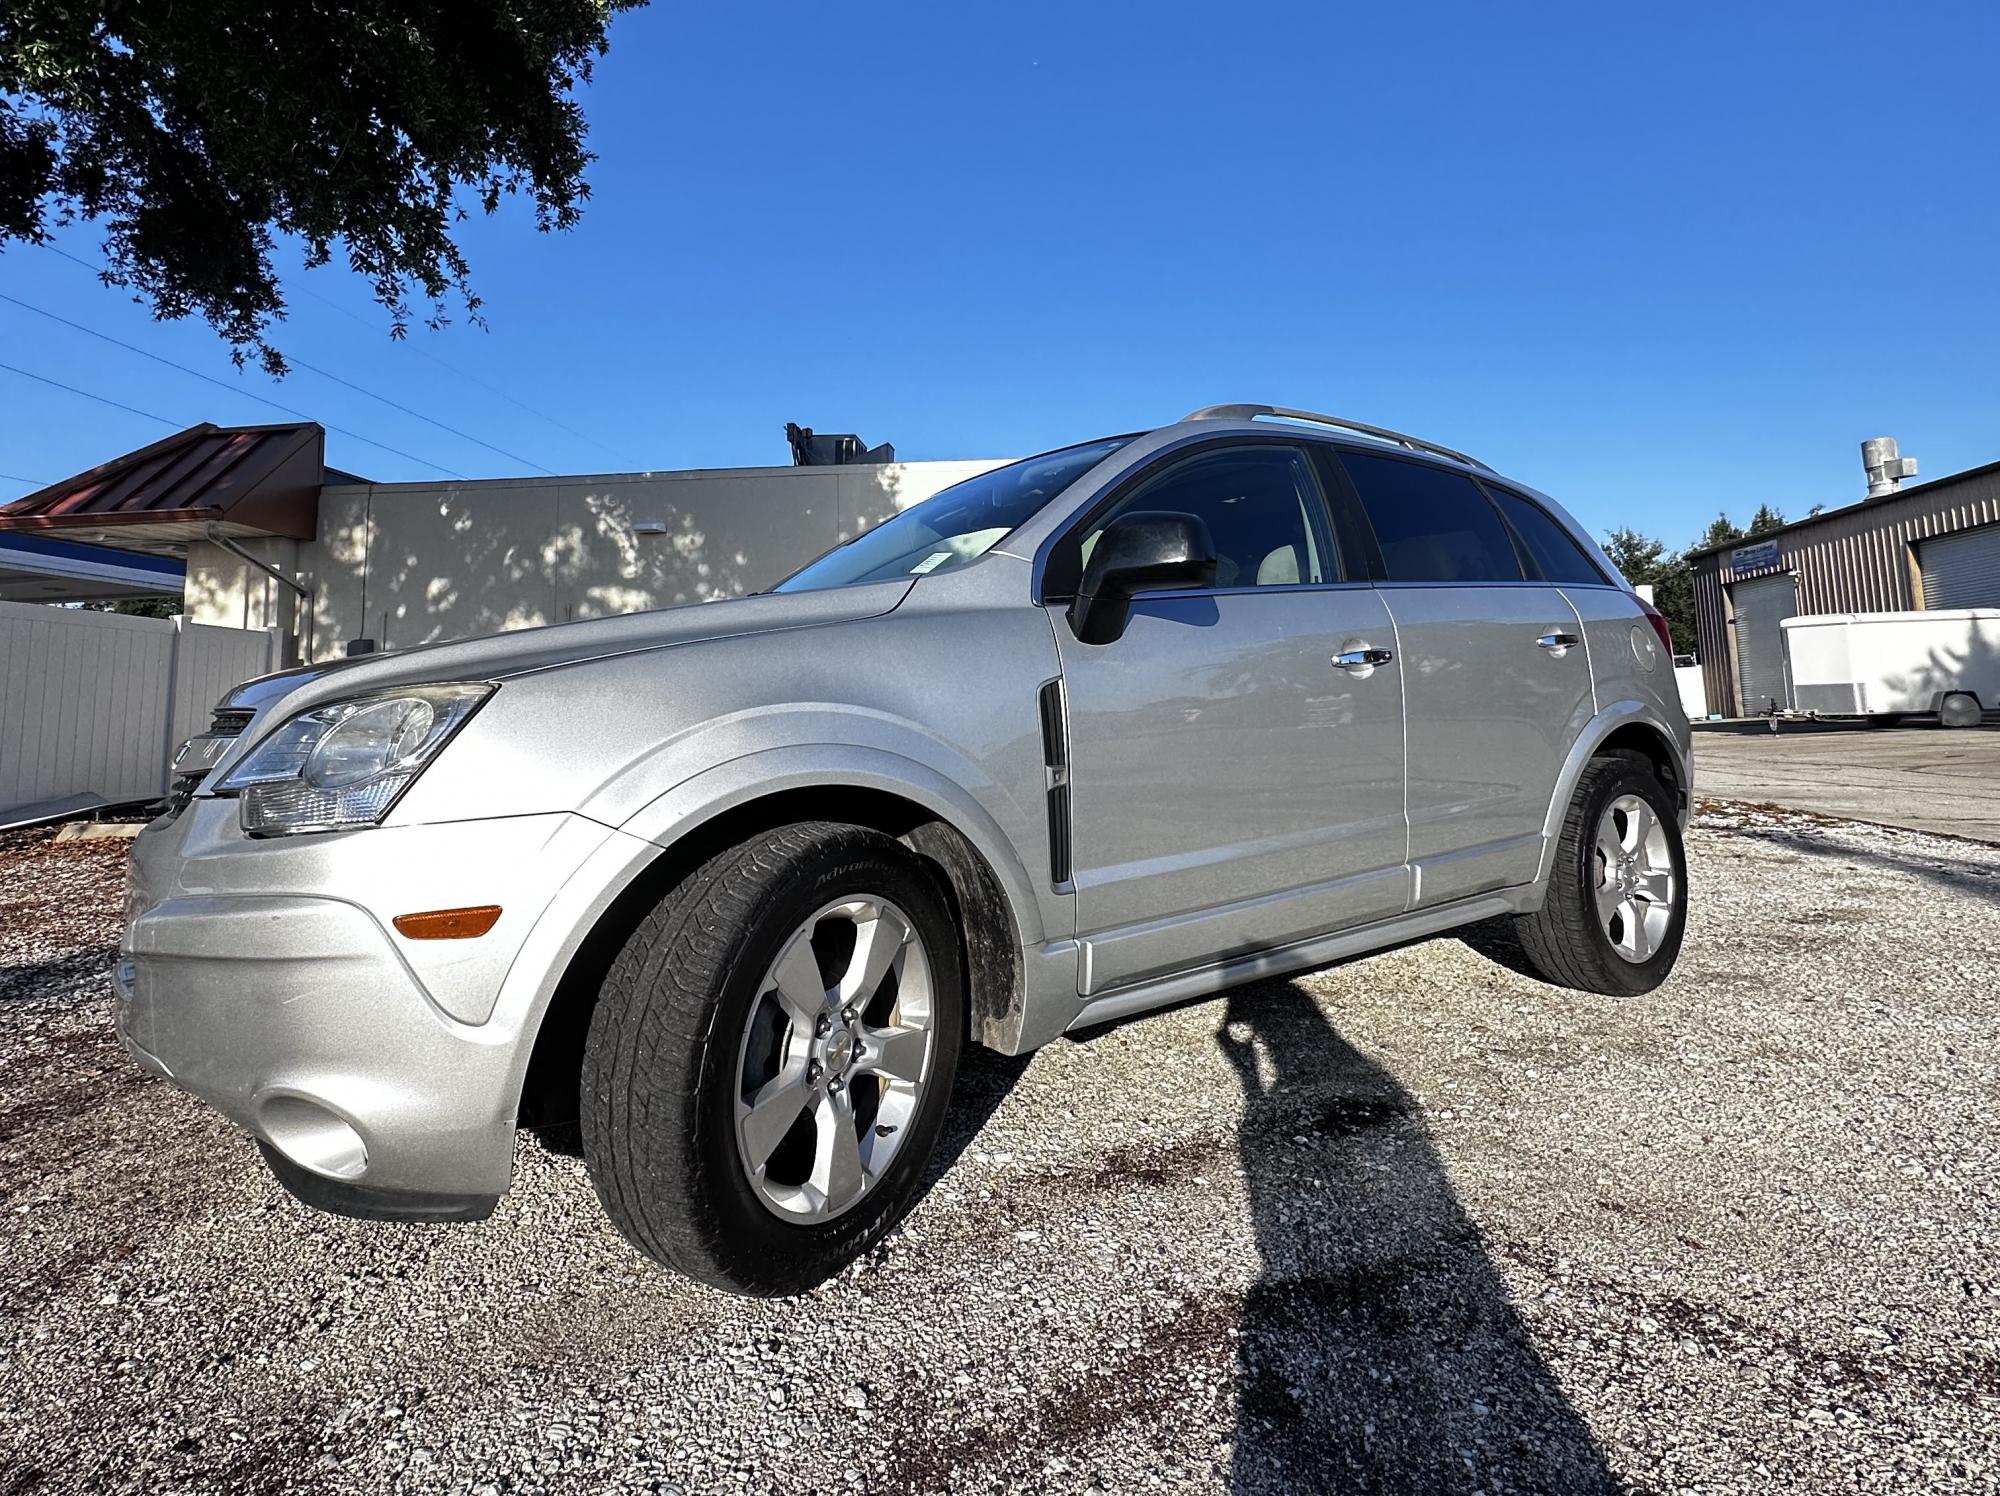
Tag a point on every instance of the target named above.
point(1721, 530)
point(197, 132)
point(141, 607)
point(1644, 561)
point(1639, 557)
point(1766, 519)
point(1815, 510)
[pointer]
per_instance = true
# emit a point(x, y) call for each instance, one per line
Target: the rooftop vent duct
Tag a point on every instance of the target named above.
point(810, 449)
point(1887, 468)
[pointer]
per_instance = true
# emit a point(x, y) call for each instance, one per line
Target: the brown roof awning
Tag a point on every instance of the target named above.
point(252, 480)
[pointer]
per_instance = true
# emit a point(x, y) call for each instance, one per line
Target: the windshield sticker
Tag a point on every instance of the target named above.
point(930, 563)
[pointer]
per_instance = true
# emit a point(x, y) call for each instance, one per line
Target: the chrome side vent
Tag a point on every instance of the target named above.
point(1055, 777)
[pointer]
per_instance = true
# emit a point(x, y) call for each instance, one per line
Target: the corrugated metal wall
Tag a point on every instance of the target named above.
point(1860, 559)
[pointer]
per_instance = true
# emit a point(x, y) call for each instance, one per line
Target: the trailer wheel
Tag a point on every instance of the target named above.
point(1959, 709)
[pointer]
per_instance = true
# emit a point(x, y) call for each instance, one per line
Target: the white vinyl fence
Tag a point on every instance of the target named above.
point(94, 704)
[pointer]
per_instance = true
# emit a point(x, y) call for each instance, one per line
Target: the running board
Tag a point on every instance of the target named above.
point(1208, 980)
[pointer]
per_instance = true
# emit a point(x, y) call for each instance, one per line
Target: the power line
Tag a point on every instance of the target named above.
point(419, 415)
point(359, 390)
point(221, 385)
point(100, 399)
point(470, 378)
point(17, 478)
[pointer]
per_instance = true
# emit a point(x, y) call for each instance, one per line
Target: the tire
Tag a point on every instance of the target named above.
point(1959, 709)
point(685, 1020)
point(1566, 941)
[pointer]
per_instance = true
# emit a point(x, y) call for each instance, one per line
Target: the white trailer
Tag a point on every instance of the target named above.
point(1943, 663)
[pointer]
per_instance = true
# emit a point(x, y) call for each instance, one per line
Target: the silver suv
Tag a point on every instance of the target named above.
point(732, 887)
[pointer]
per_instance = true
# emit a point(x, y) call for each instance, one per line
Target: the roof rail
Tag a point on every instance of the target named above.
point(1251, 412)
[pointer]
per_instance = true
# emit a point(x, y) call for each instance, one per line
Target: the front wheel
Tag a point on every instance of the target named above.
point(771, 1058)
point(1616, 906)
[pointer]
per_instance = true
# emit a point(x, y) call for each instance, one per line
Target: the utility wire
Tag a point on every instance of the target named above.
point(471, 378)
point(100, 399)
point(358, 389)
point(419, 415)
point(17, 478)
point(218, 383)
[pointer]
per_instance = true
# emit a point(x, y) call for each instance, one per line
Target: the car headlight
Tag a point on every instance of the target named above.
point(346, 763)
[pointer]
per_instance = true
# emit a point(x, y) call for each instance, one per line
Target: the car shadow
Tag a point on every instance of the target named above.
point(1496, 941)
point(1379, 1349)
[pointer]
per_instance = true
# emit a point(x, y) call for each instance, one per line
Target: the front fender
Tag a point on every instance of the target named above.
point(699, 798)
point(836, 765)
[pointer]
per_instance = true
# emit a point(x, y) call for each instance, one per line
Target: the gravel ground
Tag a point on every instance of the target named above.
point(1413, 1223)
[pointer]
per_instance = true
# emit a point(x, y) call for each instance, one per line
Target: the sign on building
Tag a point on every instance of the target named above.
point(1759, 557)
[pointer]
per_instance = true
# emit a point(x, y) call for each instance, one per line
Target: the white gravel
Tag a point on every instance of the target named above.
point(1414, 1223)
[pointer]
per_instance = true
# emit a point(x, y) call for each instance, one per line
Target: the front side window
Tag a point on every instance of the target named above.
point(1432, 525)
point(1260, 503)
point(1555, 551)
point(955, 526)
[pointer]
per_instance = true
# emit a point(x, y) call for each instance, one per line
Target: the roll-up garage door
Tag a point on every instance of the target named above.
point(1760, 644)
point(1963, 570)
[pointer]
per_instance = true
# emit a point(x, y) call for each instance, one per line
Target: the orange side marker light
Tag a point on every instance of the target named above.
point(449, 924)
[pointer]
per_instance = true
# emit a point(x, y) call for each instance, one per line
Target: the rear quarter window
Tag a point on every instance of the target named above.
point(1558, 555)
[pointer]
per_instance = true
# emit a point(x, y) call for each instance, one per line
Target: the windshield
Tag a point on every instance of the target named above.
point(956, 526)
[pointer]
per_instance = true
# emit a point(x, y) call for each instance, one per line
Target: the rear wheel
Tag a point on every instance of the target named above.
point(771, 1058)
point(1616, 905)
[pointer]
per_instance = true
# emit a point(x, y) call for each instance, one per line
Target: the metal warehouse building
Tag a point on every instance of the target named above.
point(1931, 545)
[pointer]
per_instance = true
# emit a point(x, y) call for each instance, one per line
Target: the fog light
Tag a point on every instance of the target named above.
point(313, 1137)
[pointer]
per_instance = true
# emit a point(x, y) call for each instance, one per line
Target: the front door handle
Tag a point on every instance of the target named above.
point(1362, 661)
point(1558, 644)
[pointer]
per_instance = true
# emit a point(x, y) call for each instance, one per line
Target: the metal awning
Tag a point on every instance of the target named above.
point(38, 570)
point(250, 480)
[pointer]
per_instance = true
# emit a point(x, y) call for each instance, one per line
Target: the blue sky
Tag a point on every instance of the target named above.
point(1654, 260)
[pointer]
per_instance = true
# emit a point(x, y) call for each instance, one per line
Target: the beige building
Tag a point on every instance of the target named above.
point(271, 538)
point(1931, 545)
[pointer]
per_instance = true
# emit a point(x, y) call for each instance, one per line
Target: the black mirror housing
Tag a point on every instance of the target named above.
point(1144, 551)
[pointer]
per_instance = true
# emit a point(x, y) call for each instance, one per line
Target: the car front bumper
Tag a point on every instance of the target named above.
point(380, 1074)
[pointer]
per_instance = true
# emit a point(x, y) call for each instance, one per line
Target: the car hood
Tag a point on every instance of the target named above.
point(523, 651)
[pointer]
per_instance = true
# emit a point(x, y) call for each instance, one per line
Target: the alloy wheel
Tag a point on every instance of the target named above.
point(1636, 891)
point(834, 1059)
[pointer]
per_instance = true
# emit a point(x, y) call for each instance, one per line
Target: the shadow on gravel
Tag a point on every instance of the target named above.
point(983, 1080)
point(1496, 941)
point(1957, 874)
point(1378, 1351)
point(58, 976)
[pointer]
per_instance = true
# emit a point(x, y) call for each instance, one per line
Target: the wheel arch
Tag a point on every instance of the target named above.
point(1629, 729)
point(988, 918)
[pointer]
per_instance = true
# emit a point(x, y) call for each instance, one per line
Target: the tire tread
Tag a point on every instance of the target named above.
point(651, 1042)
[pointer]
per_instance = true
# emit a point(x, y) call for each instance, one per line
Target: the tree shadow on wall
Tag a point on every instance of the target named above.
point(1378, 1350)
point(1943, 670)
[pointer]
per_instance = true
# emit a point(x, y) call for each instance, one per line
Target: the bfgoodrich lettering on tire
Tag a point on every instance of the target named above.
point(771, 1058)
point(1616, 905)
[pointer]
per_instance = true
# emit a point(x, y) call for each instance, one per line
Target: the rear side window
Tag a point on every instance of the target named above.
point(1432, 525)
point(1560, 558)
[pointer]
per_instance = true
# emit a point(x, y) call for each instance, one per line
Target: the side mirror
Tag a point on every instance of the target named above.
point(1139, 552)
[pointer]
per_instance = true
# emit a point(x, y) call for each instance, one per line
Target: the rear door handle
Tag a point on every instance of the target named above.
point(1362, 661)
point(1558, 644)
